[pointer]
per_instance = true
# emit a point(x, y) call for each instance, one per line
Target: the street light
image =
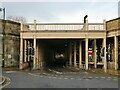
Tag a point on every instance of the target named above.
point(85, 18)
point(3, 9)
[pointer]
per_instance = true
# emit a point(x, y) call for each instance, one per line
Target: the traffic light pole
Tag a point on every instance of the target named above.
point(29, 54)
point(105, 61)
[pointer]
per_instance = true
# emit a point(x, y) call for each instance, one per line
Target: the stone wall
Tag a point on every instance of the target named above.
point(113, 24)
point(11, 40)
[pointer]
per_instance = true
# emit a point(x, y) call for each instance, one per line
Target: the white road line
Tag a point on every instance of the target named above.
point(115, 79)
point(96, 77)
point(38, 73)
point(49, 77)
point(33, 74)
point(79, 79)
point(54, 77)
point(72, 78)
point(59, 78)
point(108, 79)
point(65, 78)
point(10, 71)
point(102, 77)
point(90, 77)
point(86, 79)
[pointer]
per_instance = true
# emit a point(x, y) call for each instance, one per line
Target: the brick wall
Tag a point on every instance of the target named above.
point(113, 24)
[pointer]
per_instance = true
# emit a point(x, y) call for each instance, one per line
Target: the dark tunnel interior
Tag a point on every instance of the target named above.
point(56, 52)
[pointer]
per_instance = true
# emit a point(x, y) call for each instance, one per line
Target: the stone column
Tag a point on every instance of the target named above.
point(25, 46)
point(74, 53)
point(105, 60)
point(80, 54)
point(116, 51)
point(70, 54)
point(21, 53)
point(21, 49)
point(94, 53)
point(34, 62)
point(86, 53)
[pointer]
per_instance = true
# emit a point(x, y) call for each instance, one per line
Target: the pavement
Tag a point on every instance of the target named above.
point(57, 79)
point(109, 71)
point(67, 69)
point(101, 71)
point(60, 78)
point(2, 80)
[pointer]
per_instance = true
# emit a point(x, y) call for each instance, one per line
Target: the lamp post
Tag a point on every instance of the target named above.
point(85, 18)
point(3, 32)
point(3, 9)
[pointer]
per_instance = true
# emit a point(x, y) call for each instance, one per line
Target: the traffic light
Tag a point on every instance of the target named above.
point(102, 51)
point(26, 51)
point(32, 51)
point(29, 51)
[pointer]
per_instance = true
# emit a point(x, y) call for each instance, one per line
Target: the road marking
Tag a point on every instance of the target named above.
point(10, 71)
point(79, 79)
point(8, 82)
point(90, 77)
point(59, 78)
point(109, 77)
point(38, 73)
point(65, 78)
point(30, 74)
point(54, 77)
point(96, 77)
point(35, 75)
point(40, 76)
point(115, 79)
point(72, 78)
point(102, 77)
point(49, 77)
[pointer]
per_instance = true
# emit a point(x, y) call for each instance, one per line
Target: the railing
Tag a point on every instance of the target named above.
point(66, 26)
point(96, 27)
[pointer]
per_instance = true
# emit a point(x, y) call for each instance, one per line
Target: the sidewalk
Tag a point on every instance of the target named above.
point(10, 69)
point(2, 80)
point(68, 69)
point(109, 71)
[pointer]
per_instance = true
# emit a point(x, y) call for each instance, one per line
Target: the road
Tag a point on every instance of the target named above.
point(21, 79)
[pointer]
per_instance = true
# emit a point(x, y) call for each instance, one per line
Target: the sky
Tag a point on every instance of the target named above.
point(72, 11)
